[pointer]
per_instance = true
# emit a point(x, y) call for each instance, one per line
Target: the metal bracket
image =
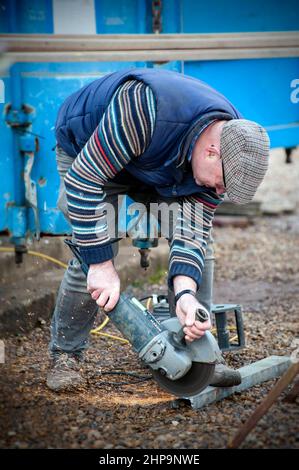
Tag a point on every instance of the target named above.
point(223, 335)
point(19, 118)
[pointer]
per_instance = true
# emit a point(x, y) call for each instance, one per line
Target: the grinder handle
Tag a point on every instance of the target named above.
point(201, 314)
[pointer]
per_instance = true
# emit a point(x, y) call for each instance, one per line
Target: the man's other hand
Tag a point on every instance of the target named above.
point(185, 310)
point(103, 284)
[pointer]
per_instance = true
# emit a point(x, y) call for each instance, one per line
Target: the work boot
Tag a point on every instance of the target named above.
point(64, 373)
point(224, 376)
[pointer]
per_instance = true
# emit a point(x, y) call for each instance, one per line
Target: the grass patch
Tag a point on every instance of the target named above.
point(138, 283)
point(158, 276)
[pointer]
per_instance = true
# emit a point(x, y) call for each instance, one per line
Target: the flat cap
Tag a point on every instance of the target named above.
point(244, 148)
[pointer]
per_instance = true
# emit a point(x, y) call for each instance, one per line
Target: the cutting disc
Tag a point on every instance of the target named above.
point(196, 380)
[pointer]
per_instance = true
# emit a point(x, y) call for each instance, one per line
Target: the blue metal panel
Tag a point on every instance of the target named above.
point(27, 16)
point(121, 16)
point(260, 89)
point(172, 19)
point(238, 16)
point(4, 22)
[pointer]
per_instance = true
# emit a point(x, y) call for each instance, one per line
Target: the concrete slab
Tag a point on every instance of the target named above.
point(253, 374)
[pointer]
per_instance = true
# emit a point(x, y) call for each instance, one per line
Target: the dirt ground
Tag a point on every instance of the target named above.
point(257, 266)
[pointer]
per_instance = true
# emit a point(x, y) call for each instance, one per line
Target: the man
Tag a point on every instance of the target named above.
point(173, 137)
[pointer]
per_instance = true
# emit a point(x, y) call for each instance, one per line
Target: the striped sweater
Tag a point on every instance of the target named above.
point(124, 133)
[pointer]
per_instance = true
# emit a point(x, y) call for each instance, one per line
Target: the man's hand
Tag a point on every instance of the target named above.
point(103, 284)
point(185, 310)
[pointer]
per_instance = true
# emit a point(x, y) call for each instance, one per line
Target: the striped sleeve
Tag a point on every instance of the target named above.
point(124, 132)
point(192, 231)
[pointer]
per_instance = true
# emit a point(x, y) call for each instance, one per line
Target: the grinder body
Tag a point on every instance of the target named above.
point(150, 338)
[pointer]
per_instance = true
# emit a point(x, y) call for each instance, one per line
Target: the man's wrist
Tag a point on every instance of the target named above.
point(181, 283)
point(102, 265)
point(184, 292)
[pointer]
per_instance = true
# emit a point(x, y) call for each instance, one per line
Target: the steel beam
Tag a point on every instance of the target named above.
point(253, 374)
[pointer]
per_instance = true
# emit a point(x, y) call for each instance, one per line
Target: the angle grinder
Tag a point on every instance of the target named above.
point(182, 368)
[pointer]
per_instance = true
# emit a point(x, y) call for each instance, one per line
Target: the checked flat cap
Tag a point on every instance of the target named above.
point(244, 147)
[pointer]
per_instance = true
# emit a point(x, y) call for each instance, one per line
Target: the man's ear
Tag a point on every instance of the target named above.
point(212, 150)
point(215, 147)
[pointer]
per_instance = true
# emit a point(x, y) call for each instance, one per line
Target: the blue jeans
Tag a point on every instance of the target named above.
point(75, 311)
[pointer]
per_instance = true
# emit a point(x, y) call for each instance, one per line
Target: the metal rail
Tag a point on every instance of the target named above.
point(161, 48)
point(39, 43)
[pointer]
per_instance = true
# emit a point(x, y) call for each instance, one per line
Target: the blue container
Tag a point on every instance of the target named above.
point(261, 88)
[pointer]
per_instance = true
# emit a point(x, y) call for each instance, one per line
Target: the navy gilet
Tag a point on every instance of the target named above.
point(181, 101)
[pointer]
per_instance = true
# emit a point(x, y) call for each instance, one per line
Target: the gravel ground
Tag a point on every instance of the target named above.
point(278, 192)
point(257, 267)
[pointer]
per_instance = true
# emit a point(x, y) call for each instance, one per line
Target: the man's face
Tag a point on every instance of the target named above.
point(206, 160)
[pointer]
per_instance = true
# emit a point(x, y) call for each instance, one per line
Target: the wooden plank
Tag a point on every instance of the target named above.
point(154, 56)
point(262, 409)
point(253, 374)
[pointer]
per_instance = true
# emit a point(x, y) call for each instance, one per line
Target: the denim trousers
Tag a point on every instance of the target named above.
point(75, 311)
